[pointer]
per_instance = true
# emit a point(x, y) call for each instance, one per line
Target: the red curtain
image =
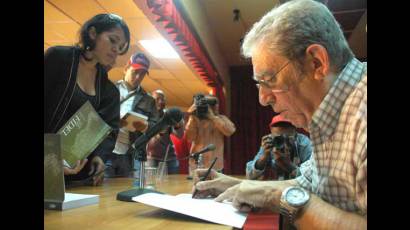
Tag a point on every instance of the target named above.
point(167, 15)
point(250, 118)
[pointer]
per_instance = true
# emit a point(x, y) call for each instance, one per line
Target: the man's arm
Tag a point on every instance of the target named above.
point(178, 129)
point(318, 214)
point(191, 129)
point(223, 124)
point(252, 172)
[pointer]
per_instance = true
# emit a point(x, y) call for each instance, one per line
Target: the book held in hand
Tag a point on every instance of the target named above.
point(133, 122)
point(82, 133)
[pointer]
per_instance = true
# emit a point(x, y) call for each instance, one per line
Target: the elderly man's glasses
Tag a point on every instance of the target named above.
point(270, 82)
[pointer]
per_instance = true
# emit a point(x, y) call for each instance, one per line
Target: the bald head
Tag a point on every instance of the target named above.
point(159, 97)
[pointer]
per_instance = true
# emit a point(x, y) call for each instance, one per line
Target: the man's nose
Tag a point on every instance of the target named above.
point(266, 97)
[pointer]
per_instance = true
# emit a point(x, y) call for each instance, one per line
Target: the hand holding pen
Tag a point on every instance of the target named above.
point(203, 178)
point(211, 183)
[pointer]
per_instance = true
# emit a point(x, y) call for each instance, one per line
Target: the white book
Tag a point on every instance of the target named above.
point(205, 209)
point(133, 122)
point(72, 200)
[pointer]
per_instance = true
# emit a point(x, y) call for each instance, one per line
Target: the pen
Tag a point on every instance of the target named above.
point(206, 175)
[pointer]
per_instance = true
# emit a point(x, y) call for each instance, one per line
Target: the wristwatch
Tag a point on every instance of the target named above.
point(292, 200)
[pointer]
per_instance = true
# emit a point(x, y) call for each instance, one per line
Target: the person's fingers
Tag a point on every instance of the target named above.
point(83, 162)
point(203, 194)
point(244, 208)
point(79, 165)
point(100, 167)
point(92, 168)
point(241, 205)
point(100, 177)
point(227, 195)
point(68, 171)
point(209, 184)
point(200, 173)
point(223, 196)
point(97, 180)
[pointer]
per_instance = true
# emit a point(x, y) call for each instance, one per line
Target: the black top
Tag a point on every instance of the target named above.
point(79, 99)
point(61, 99)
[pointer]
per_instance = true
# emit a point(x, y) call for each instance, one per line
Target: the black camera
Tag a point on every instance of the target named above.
point(282, 141)
point(201, 102)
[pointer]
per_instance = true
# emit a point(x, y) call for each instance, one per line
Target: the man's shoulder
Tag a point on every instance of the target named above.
point(356, 103)
point(303, 139)
point(147, 96)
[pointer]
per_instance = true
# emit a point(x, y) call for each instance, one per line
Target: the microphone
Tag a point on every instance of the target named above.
point(171, 117)
point(210, 147)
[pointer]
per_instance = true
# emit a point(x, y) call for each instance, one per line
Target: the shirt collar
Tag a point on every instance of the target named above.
point(124, 85)
point(326, 117)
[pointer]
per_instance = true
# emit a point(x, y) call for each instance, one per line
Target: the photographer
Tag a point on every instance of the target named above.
point(284, 149)
point(206, 126)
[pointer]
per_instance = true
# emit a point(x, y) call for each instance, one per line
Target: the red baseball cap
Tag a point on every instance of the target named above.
point(139, 61)
point(277, 119)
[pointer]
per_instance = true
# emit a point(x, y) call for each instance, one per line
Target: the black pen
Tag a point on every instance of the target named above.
point(206, 175)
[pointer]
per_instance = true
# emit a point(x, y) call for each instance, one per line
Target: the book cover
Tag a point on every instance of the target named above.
point(55, 197)
point(133, 122)
point(82, 133)
point(53, 171)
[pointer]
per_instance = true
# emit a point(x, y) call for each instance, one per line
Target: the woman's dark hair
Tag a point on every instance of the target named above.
point(101, 23)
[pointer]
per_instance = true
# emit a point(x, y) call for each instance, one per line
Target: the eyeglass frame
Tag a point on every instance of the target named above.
point(265, 83)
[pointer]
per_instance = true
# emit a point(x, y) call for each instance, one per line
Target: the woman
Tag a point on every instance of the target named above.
point(75, 74)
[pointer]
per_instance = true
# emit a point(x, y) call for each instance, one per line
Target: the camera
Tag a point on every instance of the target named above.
point(280, 142)
point(201, 102)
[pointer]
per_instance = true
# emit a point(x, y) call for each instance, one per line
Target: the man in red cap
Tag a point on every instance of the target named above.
point(285, 160)
point(133, 98)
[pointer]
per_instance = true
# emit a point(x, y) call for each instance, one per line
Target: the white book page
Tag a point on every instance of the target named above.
point(206, 209)
point(75, 196)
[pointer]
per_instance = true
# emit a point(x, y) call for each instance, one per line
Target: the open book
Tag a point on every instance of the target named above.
point(55, 196)
point(206, 209)
point(133, 122)
point(82, 133)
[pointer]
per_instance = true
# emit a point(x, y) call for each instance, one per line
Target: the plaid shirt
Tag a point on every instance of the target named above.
point(337, 169)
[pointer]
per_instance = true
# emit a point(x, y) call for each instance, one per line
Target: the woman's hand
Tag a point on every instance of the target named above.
point(72, 171)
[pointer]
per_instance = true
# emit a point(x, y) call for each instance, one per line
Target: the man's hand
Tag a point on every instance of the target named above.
point(215, 183)
point(210, 113)
point(283, 161)
point(192, 108)
point(98, 166)
point(251, 194)
point(72, 171)
point(267, 146)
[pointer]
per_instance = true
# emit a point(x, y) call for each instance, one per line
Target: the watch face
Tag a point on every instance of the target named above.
point(296, 196)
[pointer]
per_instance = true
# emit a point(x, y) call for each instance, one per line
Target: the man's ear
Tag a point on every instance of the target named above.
point(319, 61)
point(92, 33)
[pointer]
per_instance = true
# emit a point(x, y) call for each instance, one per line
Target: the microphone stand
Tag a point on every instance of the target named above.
point(196, 161)
point(140, 154)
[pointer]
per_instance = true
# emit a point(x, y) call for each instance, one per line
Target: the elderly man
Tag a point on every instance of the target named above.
point(160, 148)
point(305, 70)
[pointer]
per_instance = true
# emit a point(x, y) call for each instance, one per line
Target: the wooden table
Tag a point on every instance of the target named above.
point(110, 213)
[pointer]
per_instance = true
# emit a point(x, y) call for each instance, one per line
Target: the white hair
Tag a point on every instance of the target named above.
point(291, 27)
point(158, 91)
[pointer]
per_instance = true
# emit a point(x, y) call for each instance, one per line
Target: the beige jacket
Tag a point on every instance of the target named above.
point(209, 131)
